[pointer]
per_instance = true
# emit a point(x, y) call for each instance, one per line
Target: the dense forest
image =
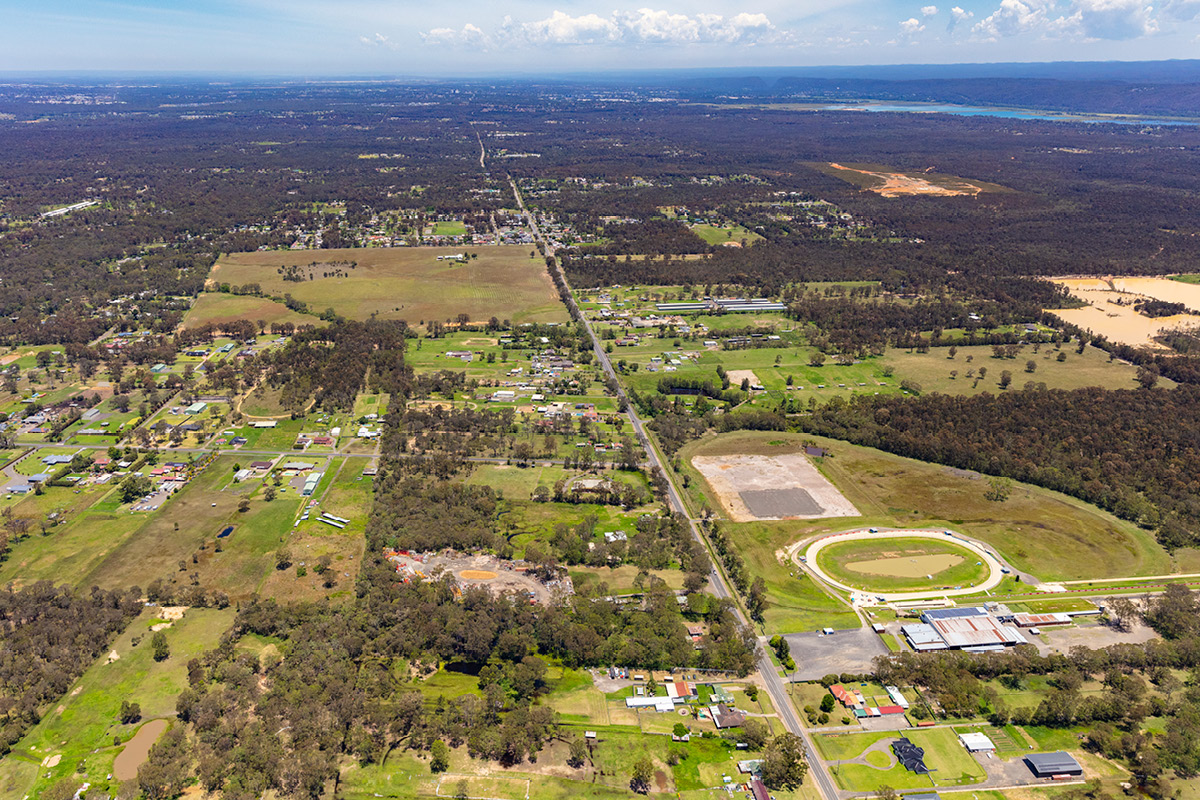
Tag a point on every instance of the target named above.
point(1131, 452)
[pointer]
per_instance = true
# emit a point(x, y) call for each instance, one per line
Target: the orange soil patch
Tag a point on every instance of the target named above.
point(898, 184)
point(477, 574)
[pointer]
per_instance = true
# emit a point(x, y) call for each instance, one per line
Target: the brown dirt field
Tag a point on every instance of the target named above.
point(477, 574)
point(729, 476)
point(899, 184)
point(137, 750)
point(900, 567)
point(736, 376)
point(1122, 323)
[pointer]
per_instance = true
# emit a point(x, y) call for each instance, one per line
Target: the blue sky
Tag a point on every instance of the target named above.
point(460, 37)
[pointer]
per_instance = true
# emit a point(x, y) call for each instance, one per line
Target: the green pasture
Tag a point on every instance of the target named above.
point(409, 284)
point(81, 729)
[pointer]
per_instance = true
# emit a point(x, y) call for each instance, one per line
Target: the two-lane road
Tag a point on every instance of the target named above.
point(717, 581)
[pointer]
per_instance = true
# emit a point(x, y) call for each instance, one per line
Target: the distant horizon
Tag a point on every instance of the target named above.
point(470, 37)
point(1167, 70)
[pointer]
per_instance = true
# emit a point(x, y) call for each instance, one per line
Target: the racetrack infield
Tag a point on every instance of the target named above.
point(901, 564)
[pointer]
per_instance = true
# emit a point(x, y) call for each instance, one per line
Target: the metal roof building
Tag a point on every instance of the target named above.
point(976, 742)
point(1049, 765)
point(923, 637)
point(953, 613)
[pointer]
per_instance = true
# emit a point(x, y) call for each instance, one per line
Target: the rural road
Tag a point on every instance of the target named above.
point(717, 581)
point(995, 574)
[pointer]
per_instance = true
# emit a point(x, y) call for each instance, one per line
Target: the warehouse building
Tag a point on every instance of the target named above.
point(1054, 765)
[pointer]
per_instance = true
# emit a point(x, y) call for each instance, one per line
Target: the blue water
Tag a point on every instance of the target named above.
point(225, 532)
point(973, 111)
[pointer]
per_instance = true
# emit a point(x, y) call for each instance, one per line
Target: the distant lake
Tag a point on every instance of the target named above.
point(1006, 113)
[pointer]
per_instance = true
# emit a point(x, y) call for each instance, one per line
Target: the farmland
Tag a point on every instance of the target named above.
point(216, 308)
point(408, 284)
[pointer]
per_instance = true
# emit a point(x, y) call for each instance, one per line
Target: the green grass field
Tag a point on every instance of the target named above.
point(714, 234)
point(1091, 368)
point(950, 763)
point(218, 308)
point(146, 547)
point(81, 728)
point(409, 284)
point(837, 560)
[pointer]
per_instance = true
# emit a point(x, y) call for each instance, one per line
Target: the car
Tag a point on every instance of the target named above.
point(1006, 570)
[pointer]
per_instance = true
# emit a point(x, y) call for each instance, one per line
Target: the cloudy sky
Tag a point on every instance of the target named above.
point(461, 37)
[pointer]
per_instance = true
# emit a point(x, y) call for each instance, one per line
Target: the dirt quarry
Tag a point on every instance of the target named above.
point(498, 575)
point(752, 488)
point(900, 184)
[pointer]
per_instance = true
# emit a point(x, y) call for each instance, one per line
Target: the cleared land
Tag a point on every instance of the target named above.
point(407, 284)
point(81, 729)
point(218, 308)
point(788, 486)
point(1052, 536)
point(1110, 311)
point(889, 182)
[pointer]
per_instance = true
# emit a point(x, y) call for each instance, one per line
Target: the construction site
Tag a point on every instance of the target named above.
point(499, 576)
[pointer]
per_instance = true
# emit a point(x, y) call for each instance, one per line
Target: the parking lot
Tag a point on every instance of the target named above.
point(818, 655)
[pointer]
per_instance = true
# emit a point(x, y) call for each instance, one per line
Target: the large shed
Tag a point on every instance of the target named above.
point(1052, 765)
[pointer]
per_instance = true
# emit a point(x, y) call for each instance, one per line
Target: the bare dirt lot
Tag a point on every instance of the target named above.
point(498, 575)
point(1111, 313)
point(846, 651)
point(902, 567)
point(1061, 640)
point(788, 486)
point(736, 376)
point(898, 184)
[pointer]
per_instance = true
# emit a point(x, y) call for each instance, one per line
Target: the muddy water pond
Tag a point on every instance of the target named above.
point(137, 750)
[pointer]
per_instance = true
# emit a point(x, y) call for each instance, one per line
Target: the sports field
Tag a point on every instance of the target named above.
point(897, 565)
point(408, 284)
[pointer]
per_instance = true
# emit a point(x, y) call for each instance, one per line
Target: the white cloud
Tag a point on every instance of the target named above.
point(560, 28)
point(468, 35)
point(1111, 19)
point(378, 40)
point(957, 17)
point(911, 26)
point(928, 11)
point(644, 26)
point(1077, 19)
point(1014, 17)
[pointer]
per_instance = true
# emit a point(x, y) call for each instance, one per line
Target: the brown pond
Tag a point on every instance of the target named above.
point(137, 750)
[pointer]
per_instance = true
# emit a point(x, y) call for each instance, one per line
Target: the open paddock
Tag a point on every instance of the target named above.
point(405, 283)
point(217, 308)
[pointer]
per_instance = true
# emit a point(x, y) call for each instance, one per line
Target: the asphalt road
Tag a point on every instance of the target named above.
point(717, 581)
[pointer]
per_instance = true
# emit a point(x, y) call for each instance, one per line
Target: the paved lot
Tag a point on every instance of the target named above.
point(844, 651)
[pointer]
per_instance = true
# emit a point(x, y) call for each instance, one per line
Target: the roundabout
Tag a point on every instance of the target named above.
point(890, 565)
